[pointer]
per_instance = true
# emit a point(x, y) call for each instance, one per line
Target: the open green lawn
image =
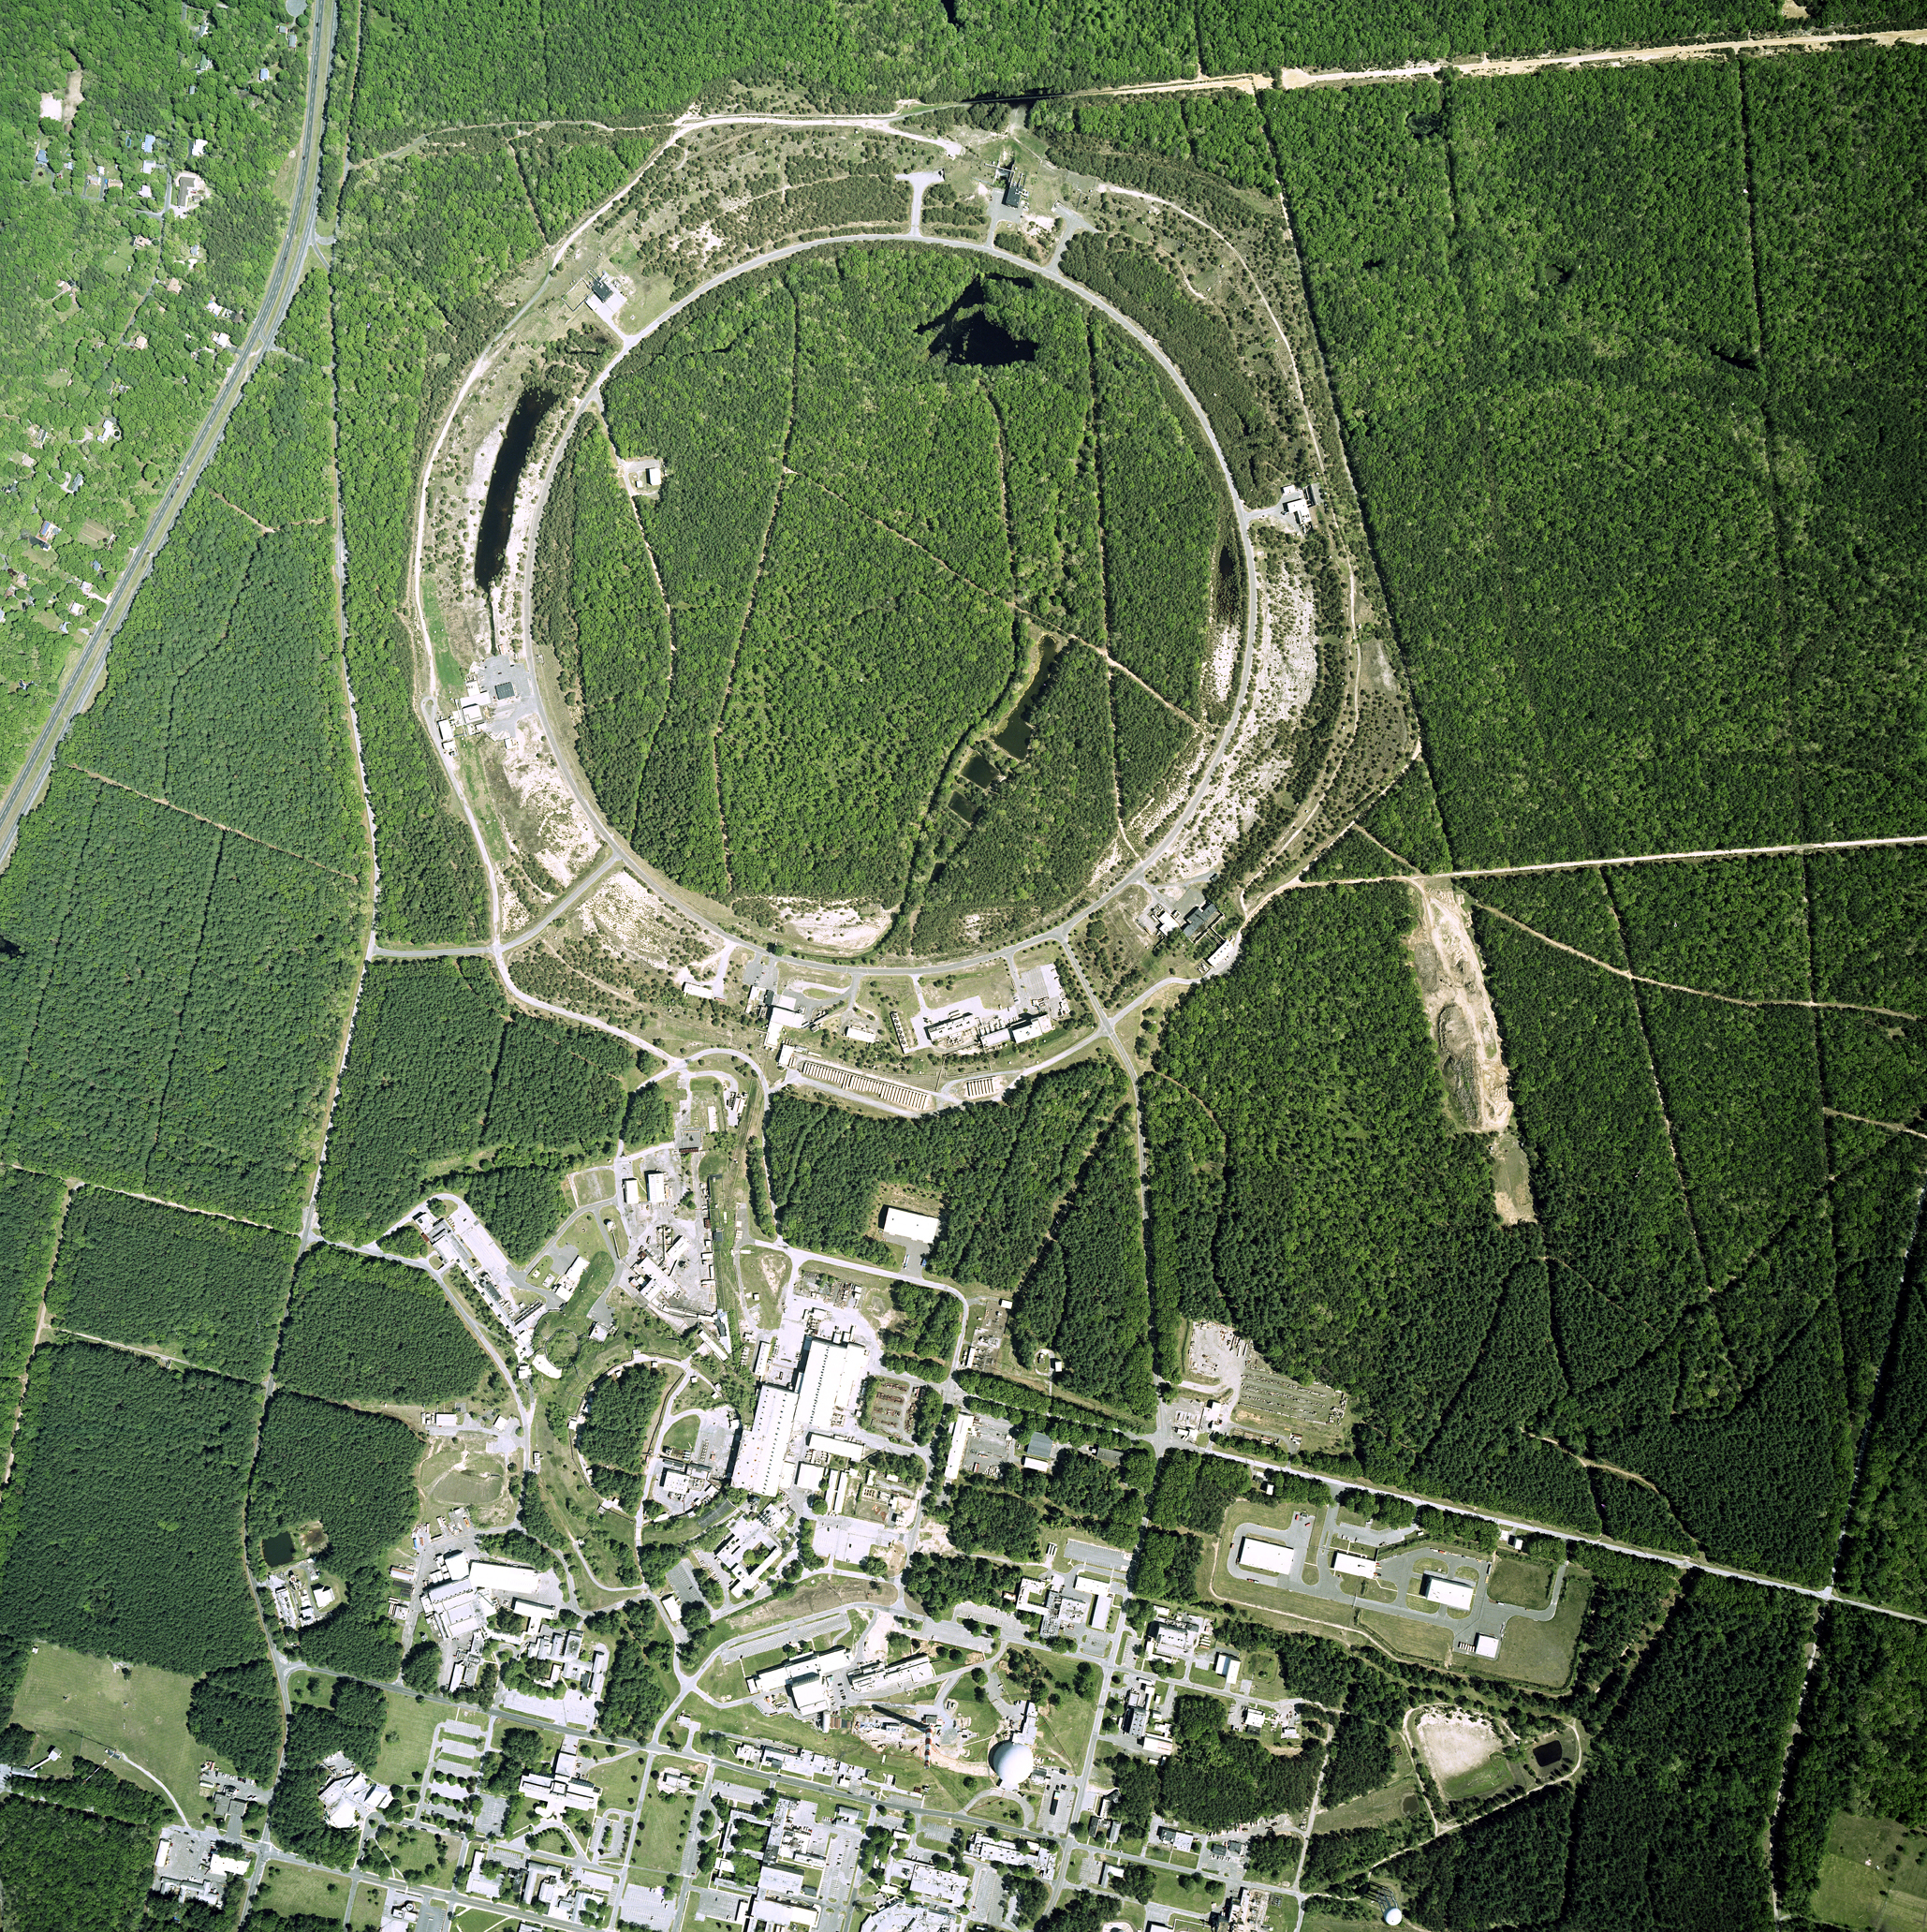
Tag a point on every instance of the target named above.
point(418, 1857)
point(1066, 1732)
point(663, 1831)
point(69, 1700)
point(405, 1738)
point(1281, 1915)
point(1542, 1653)
point(620, 1782)
point(1872, 1877)
point(1494, 1775)
point(310, 1686)
point(1515, 1579)
point(288, 1888)
point(1372, 1808)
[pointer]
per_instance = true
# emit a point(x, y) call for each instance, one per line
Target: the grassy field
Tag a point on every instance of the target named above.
point(310, 1686)
point(406, 1739)
point(289, 1889)
point(1872, 1877)
point(1281, 1915)
point(1494, 1775)
point(1424, 1643)
point(410, 1851)
point(1372, 1807)
point(680, 1436)
point(1066, 1732)
point(1514, 1580)
point(69, 1700)
point(620, 1780)
point(1542, 1653)
point(663, 1830)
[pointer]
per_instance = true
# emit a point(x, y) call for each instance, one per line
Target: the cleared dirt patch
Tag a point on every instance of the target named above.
point(1452, 1743)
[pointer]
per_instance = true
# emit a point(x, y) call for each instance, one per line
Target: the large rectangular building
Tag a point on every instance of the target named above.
point(1346, 1564)
point(759, 1464)
point(1442, 1589)
point(1272, 1559)
point(905, 1226)
point(833, 1378)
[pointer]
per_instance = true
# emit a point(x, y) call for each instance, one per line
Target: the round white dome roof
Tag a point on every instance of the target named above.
point(1013, 1761)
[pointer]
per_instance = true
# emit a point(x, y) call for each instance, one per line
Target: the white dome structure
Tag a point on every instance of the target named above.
point(1013, 1761)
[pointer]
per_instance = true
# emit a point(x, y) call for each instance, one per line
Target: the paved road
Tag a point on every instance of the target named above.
point(283, 280)
point(561, 742)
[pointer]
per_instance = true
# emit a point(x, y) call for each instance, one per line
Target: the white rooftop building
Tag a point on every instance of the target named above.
point(1272, 1559)
point(1442, 1589)
point(906, 1226)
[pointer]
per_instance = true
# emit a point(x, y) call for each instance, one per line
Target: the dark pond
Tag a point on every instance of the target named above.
point(278, 1549)
point(498, 513)
point(1548, 1754)
point(979, 771)
point(1015, 736)
point(964, 807)
point(964, 336)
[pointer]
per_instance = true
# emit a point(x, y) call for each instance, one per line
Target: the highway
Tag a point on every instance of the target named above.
point(283, 280)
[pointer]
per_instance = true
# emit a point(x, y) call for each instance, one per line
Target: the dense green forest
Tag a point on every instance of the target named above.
point(108, 357)
point(1086, 1299)
point(1582, 379)
point(853, 499)
point(622, 1409)
point(31, 1211)
point(445, 1082)
point(177, 974)
point(61, 1869)
point(361, 1330)
point(344, 1469)
point(121, 1532)
point(588, 59)
point(1858, 1748)
point(208, 1290)
point(1002, 1171)
point(236, 1713)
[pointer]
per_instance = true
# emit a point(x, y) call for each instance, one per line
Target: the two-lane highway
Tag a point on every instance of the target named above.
point(283, 280)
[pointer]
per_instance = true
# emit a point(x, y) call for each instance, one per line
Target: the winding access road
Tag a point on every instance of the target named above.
point(283, 280)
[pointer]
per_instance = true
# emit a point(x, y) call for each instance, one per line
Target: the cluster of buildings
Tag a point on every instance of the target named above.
point(823, 1398)
point(559, 1790)
point(794, 1762)
point(464, 1591)
point(196, 1866)
point(484, 690)
point(298, 1596)
point(559, 1891)
point(1179, 1635)
point(1191, 913)
point(971, 1027)
point(1063, 1607)
point(755, 1546)
point(1019, 1854)
point(496, 1298)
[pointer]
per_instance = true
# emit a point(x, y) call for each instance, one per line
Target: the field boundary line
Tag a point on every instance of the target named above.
point(1823, 1006)
point(200, 818)
point(266, 529)
point(1892, 1127)
point(1806, 846)
point(1672, 1144)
